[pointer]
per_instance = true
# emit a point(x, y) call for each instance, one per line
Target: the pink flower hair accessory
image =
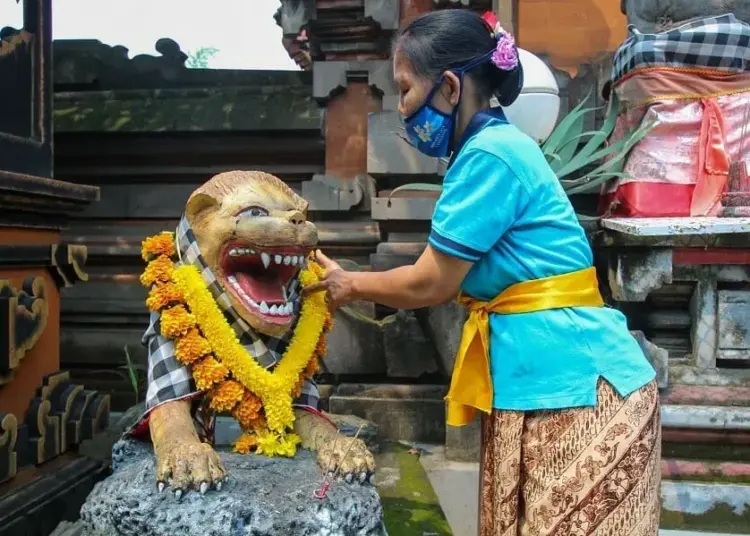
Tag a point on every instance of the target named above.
point(505, 55)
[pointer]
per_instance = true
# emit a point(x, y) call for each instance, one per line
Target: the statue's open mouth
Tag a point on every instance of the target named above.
point(260, 277)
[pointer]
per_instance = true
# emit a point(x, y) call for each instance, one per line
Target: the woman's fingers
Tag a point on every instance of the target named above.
point(324, 261)
point(316, 287)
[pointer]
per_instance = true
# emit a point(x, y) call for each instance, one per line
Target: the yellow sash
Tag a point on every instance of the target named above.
point(471, 383)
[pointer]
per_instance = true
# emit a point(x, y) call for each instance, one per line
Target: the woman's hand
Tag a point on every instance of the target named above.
point(434, 279)
point(336, 281)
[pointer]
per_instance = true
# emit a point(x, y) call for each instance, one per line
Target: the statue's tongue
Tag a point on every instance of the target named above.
point(268, 289)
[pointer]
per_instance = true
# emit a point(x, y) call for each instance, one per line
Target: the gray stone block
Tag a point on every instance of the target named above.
point(401, 412)
point(329, 76)
point(650, 16)
point(388, 153)
point(355, 343)
point(408, 352)
point(444, 325)
point(464, 444)
point(658, 357)
point(264, 497)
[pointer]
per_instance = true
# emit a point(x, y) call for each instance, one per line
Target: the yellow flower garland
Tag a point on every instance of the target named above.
point(233, 381)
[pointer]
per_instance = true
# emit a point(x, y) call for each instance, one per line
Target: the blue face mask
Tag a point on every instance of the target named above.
point(428, 129)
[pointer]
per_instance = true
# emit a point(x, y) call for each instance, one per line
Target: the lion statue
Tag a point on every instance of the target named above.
point(231, 333)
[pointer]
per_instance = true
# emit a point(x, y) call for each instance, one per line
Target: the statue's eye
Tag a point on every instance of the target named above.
point(254, 212)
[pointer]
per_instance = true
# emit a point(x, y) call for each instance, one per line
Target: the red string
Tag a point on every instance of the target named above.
point(322, 492)
point(319, 414)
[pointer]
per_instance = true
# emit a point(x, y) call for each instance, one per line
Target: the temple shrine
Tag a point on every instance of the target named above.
point(134, 136)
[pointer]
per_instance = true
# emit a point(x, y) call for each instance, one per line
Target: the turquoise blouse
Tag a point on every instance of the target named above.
point(503, 209)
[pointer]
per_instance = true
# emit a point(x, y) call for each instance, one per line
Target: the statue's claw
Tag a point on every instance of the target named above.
point(218, 486)
point(160, 487)
point(349, 456)
point(371, 479)
point(178, 494)
point(188, 465)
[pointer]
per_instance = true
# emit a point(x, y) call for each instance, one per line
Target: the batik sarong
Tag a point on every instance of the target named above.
point(573, 472)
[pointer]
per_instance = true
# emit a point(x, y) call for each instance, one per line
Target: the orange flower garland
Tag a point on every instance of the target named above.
point(216, 369)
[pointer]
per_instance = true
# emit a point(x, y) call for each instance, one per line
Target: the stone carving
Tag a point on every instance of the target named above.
point(650, 16)
point(8, 454)
point(248, 237)
point(88, 62)
point(60, 416)
point(264, 497)
point(23, 317)
point(67, 262)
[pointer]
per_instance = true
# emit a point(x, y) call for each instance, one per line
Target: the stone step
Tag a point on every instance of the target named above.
point(666, 532)
point(687, 506)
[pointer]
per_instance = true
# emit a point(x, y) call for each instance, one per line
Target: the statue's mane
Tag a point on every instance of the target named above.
point(229, 182)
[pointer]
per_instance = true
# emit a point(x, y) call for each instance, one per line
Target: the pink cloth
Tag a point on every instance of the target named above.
point(680, 168)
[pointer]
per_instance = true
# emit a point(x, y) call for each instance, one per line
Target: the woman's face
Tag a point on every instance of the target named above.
point(413, 90)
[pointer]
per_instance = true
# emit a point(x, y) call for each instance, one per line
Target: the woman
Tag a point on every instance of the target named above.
point(569, 406)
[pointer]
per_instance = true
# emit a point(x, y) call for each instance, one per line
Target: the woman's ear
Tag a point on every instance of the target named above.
point(452, 85)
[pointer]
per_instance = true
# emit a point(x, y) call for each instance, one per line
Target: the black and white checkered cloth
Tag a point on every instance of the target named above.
point(168, 379)
point(721, 43)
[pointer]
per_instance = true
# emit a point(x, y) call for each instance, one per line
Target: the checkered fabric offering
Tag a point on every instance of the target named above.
point(721, 43)
point(168, 379)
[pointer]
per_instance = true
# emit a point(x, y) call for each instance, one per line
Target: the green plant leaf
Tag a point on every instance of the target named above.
point(592, 182)
point(568, 148)
point(623, 147)
point(568, 122)
point(131, 374)
point(619, 149)
point(603, 135)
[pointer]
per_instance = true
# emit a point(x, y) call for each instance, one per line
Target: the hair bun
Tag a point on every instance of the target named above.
point(510, 85)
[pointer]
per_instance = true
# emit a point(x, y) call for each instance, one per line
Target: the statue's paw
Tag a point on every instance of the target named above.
point(188, 466)
point(352, 458)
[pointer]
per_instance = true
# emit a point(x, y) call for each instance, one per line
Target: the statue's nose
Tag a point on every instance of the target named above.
point(296, 217)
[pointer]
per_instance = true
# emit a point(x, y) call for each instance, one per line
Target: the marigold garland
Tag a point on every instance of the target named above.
point(191, 347)
point(161, 244)
point(207, 372)
point(261, 401)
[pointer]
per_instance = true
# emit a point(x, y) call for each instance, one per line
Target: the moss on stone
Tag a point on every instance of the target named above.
point(697, 451)
point(721, 518)
point(410, 505)
point(186, 110)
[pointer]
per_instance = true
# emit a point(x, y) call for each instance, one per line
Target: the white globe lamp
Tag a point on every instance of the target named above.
point(535, 110)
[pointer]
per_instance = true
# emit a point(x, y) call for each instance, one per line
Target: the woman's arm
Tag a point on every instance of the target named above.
point(434, 279)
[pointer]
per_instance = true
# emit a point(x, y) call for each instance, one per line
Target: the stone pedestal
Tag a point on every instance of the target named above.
point(264, 497)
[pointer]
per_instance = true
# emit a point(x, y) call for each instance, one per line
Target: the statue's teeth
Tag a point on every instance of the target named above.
point(266, 258)
point(287, 260)
point(273, 310)
point(294, 260)
point(234, 252)
point(264, 308)
point(289, 308)
point(278, 259)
